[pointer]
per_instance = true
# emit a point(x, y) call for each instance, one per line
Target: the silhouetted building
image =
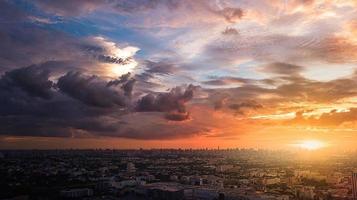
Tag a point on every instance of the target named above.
point(76, 193)
point(354, 185)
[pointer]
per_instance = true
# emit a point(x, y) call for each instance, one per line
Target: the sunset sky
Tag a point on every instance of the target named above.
point(275, 74)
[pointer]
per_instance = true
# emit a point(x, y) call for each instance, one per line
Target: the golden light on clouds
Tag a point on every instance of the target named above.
point(119, 69)
point(123, 57)
point(252, 74)
point(126, 54)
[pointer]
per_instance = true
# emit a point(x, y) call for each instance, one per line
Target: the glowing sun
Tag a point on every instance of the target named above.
point(311, 144)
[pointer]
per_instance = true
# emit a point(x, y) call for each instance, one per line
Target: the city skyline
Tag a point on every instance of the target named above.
point(130, 74)
point(168, 174)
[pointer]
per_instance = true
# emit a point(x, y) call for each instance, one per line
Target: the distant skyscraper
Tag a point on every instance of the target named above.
point(354, 185)
point(130, 167)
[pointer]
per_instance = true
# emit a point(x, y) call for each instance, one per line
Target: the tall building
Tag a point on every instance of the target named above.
point(130, 167)
point(354, 185)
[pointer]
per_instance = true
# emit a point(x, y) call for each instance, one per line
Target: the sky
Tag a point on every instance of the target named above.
point(272, 74)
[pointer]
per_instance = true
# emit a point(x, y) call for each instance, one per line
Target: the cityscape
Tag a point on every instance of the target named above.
point(178, 99)
point(205, 174)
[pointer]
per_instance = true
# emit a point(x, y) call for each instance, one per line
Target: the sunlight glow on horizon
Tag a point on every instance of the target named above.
point(311, 144)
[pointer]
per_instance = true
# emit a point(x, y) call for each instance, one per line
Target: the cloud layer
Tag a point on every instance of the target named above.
point(173, 69)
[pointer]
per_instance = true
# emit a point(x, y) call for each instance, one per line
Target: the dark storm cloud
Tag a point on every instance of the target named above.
point(91, 90)
point(33, 80)
point(77, 104)
point(128, 87)
point(32, 105)
point(22, 90)
point(126, 83)
point(56, 96)
point(164, 102)
point(122, 79)
point(51, 53)
point(171, 102)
